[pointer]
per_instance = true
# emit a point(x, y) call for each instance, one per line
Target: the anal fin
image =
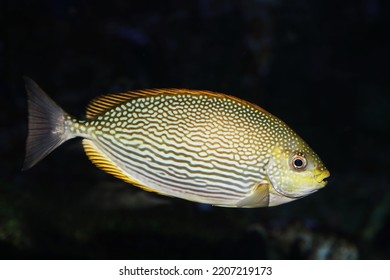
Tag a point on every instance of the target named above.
point(258, 198)
point(109, 166)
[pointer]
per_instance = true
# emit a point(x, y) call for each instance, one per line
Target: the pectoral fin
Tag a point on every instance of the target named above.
point(258, 198)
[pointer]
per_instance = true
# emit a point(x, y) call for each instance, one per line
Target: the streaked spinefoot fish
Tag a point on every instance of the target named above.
point(196, 145)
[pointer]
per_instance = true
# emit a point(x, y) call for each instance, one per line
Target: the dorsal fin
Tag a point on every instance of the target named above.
point(105, 102)
point(108, 166)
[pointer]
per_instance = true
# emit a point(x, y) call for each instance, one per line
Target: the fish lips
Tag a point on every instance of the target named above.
point(321, 178)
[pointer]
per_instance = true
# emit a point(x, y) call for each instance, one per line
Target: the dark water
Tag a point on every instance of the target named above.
point(321, 66)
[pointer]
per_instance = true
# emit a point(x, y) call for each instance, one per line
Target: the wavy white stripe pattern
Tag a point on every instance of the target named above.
point(198, 147)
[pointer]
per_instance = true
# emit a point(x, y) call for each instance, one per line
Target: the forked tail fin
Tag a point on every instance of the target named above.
point(47, 127)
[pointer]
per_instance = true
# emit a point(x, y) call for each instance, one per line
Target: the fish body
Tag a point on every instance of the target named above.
point(196, 145)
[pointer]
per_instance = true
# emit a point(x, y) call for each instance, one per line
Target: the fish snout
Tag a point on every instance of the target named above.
point(321, 177)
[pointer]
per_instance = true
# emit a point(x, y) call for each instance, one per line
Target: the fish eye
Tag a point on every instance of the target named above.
point(299, 162)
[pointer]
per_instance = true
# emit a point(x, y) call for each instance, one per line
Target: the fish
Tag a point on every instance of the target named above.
point(195, 145)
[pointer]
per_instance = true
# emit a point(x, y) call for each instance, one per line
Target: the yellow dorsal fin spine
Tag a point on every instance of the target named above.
point(105, 102)
point(108, 166)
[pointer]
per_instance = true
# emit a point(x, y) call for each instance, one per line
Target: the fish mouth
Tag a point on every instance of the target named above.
point(321, 178)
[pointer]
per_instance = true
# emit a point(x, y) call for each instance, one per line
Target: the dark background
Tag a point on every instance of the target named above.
point(321, 66)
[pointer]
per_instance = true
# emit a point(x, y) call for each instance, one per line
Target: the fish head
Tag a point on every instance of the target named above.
point(296, 171)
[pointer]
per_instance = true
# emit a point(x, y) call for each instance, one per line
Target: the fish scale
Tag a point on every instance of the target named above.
point(175, 142)
point(196, 145)
point(202, 115)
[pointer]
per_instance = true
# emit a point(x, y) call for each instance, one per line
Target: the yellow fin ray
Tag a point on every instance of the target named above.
point(258, 198)
point(101, 161)
point(105, 102)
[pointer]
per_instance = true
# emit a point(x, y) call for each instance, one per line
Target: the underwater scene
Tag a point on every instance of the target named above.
point(289, 99)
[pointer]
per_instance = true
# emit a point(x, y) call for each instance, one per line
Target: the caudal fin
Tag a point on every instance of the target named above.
point(46, 125)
